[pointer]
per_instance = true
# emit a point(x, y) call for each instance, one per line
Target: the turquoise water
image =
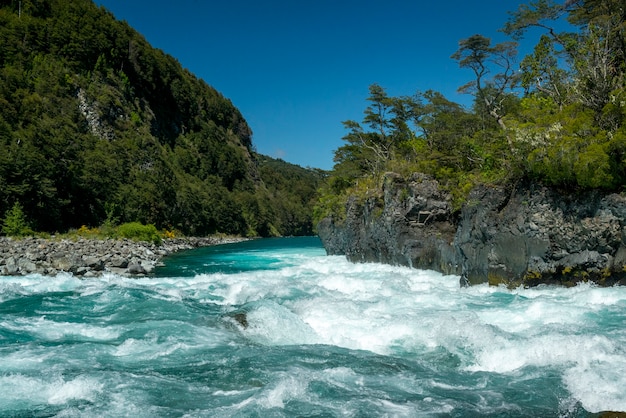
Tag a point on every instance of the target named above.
point(275, 328)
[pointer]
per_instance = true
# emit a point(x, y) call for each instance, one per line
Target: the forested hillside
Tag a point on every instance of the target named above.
point(97, 126)
point(556, 116)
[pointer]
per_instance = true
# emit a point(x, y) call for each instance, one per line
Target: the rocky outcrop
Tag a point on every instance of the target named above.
point(520, 234)
point(91, 112)
point(90, 257)
point(412, 224)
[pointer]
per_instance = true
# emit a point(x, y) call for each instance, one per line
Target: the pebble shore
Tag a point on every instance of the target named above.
point(91, 257)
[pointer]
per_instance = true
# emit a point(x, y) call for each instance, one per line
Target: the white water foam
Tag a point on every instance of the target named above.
point(388, 310)
point(49, 330)
point(274, 324)
point(15, 286)
point(599, 385)
point(21, 391)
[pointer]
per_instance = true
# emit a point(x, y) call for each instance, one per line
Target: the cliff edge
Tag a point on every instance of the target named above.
point(522, 234)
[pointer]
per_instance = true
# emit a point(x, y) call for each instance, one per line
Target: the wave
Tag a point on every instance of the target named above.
point(318, 328)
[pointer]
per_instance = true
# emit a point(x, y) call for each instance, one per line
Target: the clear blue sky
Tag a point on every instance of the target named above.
point(297, 68)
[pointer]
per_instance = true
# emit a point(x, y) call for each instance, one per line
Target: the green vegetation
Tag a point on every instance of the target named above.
point(98, 128)
point(139, 232)
point(558, 118)
point(290, 193)
point(15, 224)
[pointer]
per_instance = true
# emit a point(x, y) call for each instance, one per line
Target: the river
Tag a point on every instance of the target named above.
point(275, 328)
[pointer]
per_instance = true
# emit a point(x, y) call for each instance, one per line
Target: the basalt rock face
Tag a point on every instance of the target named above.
point(412, 224)
point(521, 234)
point(529, 234)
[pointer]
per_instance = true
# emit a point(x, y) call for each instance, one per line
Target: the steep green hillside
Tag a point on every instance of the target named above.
point(97, 125)
point(291, 194)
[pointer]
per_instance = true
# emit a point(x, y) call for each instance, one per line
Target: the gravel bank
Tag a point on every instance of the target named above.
point(91, 257)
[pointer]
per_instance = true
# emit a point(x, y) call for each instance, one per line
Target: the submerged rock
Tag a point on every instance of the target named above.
point(241, 318)
point(522, 234)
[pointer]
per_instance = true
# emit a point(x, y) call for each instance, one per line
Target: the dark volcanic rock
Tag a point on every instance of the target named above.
point(413, 225)
point(523, 234)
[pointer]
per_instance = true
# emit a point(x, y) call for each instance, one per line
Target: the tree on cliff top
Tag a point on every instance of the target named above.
point(387, 118)
point(594, 57)
point(564, 127)
point(477, 54)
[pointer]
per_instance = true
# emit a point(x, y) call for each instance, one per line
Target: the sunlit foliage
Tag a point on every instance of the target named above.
point(556, 118)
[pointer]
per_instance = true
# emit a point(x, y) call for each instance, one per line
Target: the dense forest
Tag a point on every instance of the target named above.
point(557, 116)
point(97, 126)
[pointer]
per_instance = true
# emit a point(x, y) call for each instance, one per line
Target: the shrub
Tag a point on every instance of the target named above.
point(139, 232)
point(85, 231)
point(14, 223)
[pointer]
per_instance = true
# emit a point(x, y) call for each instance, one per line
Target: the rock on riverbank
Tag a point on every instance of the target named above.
point(91, 257)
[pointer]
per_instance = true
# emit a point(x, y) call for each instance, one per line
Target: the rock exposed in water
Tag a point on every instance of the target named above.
point(241, 318)
point(90, 257)
point(412, 224)
point(523, 234)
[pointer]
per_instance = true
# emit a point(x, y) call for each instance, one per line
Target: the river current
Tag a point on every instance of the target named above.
point(275, 328)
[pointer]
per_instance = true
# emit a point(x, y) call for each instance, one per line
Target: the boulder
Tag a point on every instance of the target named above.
point(93, 262)
point(119, 262)
point(10, 267)
point(26, 266)
point(135, 268)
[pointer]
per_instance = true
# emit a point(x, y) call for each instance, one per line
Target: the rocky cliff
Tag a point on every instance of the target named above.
point(523, 234)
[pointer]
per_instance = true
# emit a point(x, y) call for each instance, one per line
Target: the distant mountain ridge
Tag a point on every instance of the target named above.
point(99, 126)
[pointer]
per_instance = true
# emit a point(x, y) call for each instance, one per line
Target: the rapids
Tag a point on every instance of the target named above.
point(274, 327)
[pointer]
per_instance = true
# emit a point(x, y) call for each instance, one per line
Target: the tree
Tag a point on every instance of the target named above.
point(540, 14)
point(14, 223)
point(541, 72)
point(600, 59)
point(595, 56)
point(477, 54)
point(443, 122)
point(609, 14)
point(387, 117)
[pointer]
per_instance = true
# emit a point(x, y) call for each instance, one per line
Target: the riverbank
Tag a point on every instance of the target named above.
point(92, 257)
point(523, 234)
